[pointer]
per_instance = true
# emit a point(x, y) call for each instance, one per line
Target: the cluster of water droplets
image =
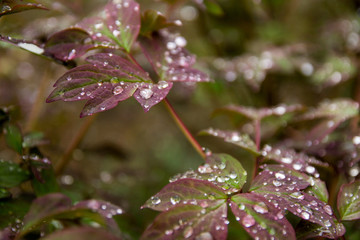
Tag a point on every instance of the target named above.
point(106, 209)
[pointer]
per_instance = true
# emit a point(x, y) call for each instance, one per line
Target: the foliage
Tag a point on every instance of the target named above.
point(292, 172)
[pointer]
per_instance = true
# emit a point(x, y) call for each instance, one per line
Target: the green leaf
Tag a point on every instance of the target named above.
point(13, 137)
point(4, 193)
point(11, 210)
point(33, 139)
point(348, 201)
point(242, 140)
point(11, 174)
point(47, 183)
point(213, 7)
point(81, 233)
point(152, 21)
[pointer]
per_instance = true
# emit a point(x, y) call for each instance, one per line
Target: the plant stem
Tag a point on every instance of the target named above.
point(257, 126)
point(176, 118)
point(60, 166)
point(183, 128)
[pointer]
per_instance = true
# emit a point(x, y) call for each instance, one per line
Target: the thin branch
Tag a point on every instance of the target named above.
point(60, 166)
point(257, 127)
point(183, 128)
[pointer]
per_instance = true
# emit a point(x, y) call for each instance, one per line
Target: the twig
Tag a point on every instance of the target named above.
point(60, 166)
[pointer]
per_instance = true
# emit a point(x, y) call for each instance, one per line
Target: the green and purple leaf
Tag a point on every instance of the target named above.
point(30, 46)
point(68, 44)
point(117, 27)
point(152, 21)
point(105, 81)
point(348, 201)
point(168, 57)
point(261, 219)
point(234, 137)
point(190, 222)
point(15, 6)
point(81, 233)
point(306, 230)
point(185, 191)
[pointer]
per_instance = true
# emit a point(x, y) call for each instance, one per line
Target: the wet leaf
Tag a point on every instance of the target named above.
point(13, 137)
point(261, 219)
point(348, 201)
point(30, 46)
point(190, 222)
point(12, 210)
point(55, 206)
point(339, 109)
point(168, 57)
point(284, 191)
point(118, 26)
point(152, 21)
point(221, 170)
point(185, 191)
point(290, 158)
point(234, 137)
point(68, 44)
point(306, 230)
point(15, 6)
point(260, 113)
point(11, 174)
point(107, 80)
point(81, 233)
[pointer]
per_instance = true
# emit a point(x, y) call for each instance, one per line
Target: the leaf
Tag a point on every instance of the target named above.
point(107, 80)
point(11, 210)
point(81, 233)
point(185, 191)
point(348, 201)
point(306, 230)
point(283, 190)
point(68, 44)
point(190, 221)
point(260, 113)
point(339, 109)
point(11, 174)
point(213, 7)
point(118, 26)
point(168, 57)
point(33, 139)
point(44, 181)
point(221, 170)
point(260, 218)
point(297, 161)
point(152, 21)
point(15, 6)
point(234, 137)
point(30, 46)
point(55, 206)
point(4, 193)
point(13, 137)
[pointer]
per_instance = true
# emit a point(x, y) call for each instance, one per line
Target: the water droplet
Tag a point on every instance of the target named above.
point(162, 84)
point(310, 169)
point(328, 209)
point(175, 199)
point(305, 215)
point(248, 221)
point(72, 54)
point(116, 33)
point(204, 236)
point(327, 223)
point(261, 208)
point(146, 93)
point(188, 231)
point(169, 232)
point(222, 166)
point(297, 195)
point(276, 183)
point(180, 41)
point(297, 166)
point(117, 90)
point(280, 175)
point(356, 140)
point(286, 160)
point(155, 200)
point(233, 175)
point(171, 45)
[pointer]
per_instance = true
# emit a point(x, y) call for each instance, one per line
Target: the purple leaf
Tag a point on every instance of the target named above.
point(348, 201)
point(170, 60)
point(30, 46)
point(261, 219)
point(190, 222)
point(306, 230)
point(119, 26)
point(81, 233)
point(185, 191)
point(11, 7)
point(107, 80)
point(284, 190)
point(260, 113)
point(220, 169)
point(68, 44)
point(297, 161)
point(234, 137)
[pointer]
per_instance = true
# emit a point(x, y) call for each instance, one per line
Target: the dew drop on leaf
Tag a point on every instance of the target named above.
point(146, 93)
point(279, 175)
point(328, 209)
point(204, 236)
point(276, 183)
point(175, 199)
point(117, 90)
point(162, 84)
point(297, 195)
point(260, 208)
point(248, 221)
point(155, 200)
point(188, 231)
point(169, 232)
point(305, 215)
